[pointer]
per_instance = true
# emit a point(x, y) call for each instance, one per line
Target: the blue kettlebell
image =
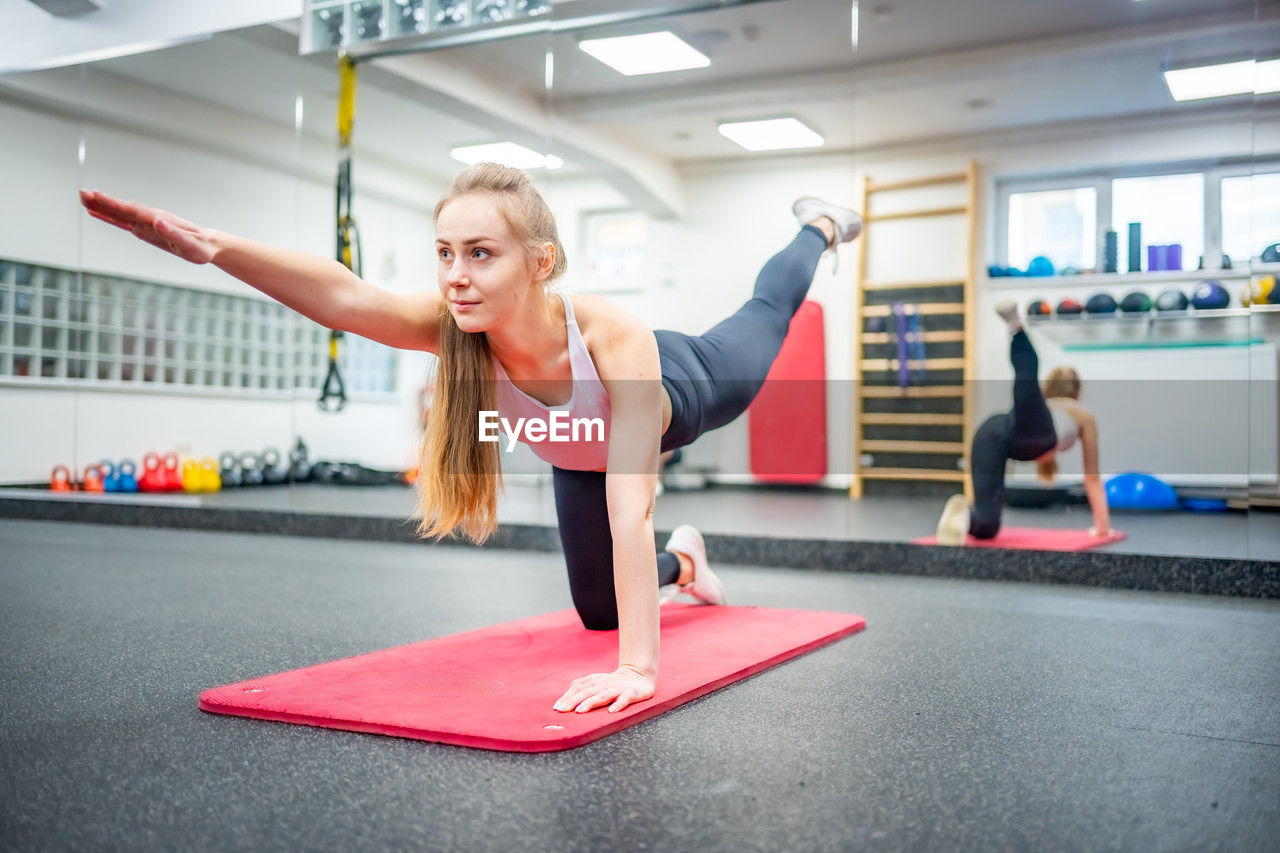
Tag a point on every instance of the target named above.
point(110, 477)
point(128, 482)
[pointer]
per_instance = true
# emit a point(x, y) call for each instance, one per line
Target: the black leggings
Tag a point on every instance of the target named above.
point(711, 378)
point(1024, 433)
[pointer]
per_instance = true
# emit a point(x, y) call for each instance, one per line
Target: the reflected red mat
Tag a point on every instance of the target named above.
point(1035, 539)
point(493, 688)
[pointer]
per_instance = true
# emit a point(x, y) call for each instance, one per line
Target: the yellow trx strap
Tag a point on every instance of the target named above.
point(333, 394)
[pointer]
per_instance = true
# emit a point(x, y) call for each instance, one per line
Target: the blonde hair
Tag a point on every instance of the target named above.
point(1061, 382)
point(459, 475)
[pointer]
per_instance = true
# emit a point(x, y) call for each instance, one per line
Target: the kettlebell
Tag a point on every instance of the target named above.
point(250, 469)
point(273, 473)
point(192, 480)
point(93, 478)
point(299, 467)
point(172, 475)
point(152, 479)
point(208, 471)
point(110, 477)
point(128, 483)
point(230, 473)
point(60, 479)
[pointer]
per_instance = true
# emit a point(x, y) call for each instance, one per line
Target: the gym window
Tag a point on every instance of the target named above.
point(1250, 214)
point(1208, 211)
point(60, 326)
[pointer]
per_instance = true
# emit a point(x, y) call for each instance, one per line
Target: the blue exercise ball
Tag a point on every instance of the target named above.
point(1135, 490)
point(1040, 266)
point(1210, 294)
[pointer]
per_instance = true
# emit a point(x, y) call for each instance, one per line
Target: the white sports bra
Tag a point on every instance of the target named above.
point(1064, 425)
point(589, 400)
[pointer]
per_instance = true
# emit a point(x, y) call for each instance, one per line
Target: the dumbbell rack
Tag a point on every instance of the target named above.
point(937, 414)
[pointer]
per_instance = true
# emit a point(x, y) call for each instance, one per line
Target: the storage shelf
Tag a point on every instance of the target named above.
point(1124, 279)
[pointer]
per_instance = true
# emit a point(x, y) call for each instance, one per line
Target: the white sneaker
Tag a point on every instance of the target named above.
point(953, 526)
point(705, 586)
point(1008, 311)
point(848, 222)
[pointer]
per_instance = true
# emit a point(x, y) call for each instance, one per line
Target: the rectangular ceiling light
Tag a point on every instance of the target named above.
point(506, 153)
point(649, 53)
point(1244, 77)
point(772, 134)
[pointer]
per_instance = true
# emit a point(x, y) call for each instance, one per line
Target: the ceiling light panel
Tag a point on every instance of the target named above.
point(1243, 77)
point(648, 53)
point(772, 134)
point(506, 153)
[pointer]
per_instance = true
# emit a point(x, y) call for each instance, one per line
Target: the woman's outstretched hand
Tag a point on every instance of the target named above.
point(157, 227)
point(621, 687)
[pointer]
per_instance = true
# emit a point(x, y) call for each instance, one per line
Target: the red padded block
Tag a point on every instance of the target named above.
point(1035, 539)
point(787, 421)
point(494, 688)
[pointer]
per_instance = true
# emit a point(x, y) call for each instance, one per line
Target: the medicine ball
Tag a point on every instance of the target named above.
point(1209, 295)
point(1070, 306)
point(1260, 291)
point(1038, 308)
point(1172, 300)
point(1101, 303)
point(1040, 266)
point(1271, 254)
point(1135, 302)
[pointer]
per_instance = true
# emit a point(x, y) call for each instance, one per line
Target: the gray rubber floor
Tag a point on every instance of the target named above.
point(967, 716)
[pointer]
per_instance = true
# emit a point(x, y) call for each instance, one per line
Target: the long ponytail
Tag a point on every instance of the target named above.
point(459, 475)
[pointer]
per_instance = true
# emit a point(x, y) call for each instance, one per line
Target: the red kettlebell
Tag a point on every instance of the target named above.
point(60, 479)
point(93, 479)
point(172, 476)
point(152, 479)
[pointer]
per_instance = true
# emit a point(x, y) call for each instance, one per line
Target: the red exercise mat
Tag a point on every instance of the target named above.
point(1035, 539)
point(494, 688)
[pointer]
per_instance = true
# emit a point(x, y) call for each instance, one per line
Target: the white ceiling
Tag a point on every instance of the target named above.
point(923, 69)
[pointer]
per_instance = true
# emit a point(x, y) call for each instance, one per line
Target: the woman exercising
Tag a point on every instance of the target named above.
point(545, 364)
point(1043, 423)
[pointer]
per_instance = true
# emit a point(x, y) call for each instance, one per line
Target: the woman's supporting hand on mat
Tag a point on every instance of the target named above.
point(157, 227)
point(622, 687)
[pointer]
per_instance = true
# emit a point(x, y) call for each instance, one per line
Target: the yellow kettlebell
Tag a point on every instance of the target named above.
point(210, 477)
point(192, 482)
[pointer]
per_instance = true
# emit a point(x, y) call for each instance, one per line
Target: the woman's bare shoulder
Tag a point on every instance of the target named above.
point(602, 319)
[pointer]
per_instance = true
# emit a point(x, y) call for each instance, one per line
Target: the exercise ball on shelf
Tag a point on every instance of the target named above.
point(1172, 300)
point(1135, 302)
point(1040, 266)
point(1101, 303)
point(1069, 306)
point(1038, 308)
point(1210, 295)
point(1260, 291)
point(1135, 490)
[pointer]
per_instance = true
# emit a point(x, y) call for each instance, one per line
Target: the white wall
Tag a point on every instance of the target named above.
point(53, 424)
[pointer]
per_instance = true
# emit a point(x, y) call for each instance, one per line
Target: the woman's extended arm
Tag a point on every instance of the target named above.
point(319, 288)
point(1093, 487)
point(629, 367)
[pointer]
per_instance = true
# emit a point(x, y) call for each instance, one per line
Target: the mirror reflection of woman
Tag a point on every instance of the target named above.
point(1044, 421)
point(508, 344)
